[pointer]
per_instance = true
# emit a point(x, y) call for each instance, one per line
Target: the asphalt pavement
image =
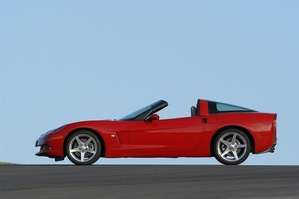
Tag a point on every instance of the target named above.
point(148, 181)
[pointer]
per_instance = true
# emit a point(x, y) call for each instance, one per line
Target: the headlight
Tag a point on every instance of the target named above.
point(57, 129)
point(53, 130)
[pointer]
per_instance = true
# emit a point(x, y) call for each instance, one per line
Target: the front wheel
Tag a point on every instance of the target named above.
point(232, 147)
point(83, 147)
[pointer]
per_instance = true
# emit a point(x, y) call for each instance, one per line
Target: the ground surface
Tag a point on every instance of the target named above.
point(17, 181)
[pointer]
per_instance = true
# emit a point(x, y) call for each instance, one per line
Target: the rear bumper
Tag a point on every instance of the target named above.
point(270, 150)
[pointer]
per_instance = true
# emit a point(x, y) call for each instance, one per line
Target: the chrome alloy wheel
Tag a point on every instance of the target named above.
point(232, 147)
point(83, 147)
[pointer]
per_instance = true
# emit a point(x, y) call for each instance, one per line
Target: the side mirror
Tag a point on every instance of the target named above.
point(153, 117)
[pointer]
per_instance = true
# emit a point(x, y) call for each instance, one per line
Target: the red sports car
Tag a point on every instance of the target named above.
point(227, 132)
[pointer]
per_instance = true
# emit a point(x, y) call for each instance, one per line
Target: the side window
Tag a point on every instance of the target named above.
point(227, 107)
point(217, 107)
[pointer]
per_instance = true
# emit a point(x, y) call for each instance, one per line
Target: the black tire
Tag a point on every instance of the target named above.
point(232, 146)
point(83, 147)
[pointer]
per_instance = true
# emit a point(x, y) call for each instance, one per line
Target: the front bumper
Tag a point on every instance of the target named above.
point(50, 146)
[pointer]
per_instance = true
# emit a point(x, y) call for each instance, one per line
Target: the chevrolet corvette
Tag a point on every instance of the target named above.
point(227, 132)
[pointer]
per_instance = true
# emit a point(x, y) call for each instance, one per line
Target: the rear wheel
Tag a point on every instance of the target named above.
point(232, 146)
point(83, 147)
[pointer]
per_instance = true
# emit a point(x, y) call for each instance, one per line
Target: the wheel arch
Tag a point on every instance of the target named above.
point(103, 151)
point(228, 127)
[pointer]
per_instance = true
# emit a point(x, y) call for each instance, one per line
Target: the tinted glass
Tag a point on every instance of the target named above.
point(227, 107)
point(217, 107)
point(136, 113)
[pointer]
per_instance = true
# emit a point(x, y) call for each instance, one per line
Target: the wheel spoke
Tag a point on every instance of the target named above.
point(78, 140)
point(235, 155)
point(91, 151)
point(234, 138)
point(88, 141)
point(225, 152)
point(239, 146)
point(226, 143)
point(74, 150)
point(82, 156)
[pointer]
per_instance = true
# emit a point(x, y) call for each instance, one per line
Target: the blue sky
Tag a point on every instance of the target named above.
point(65, 61)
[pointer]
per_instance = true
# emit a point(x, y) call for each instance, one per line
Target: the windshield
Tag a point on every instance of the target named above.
point(143, 113)
point(136, 113)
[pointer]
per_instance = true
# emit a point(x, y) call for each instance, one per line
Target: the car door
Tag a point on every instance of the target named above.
point(163, 138)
